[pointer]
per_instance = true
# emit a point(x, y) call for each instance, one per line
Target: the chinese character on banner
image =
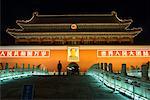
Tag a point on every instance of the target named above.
point(24, 53)
point(123, 53)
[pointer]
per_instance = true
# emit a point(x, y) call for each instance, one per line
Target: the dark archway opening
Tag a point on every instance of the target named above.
point(73, 69)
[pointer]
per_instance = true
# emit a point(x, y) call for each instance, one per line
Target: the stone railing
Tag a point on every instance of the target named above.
point(9, 74)
point(135, 88)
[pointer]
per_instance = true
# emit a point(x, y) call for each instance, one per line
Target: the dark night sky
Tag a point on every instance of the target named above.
point(138, 10)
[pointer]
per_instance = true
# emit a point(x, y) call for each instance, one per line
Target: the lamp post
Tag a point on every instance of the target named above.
point(22, 68)
point(16, 68)
point(7, 68)
point(33, 69)
point(133, 83)
point(114, 83)
point(115, 78)
point(103, 76)
point(28, 67)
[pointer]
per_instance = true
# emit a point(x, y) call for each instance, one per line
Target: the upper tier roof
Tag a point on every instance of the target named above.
point(78, 18)
point(74, 23)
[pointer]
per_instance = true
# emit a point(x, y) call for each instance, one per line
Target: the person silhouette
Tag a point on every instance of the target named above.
point(59, 67)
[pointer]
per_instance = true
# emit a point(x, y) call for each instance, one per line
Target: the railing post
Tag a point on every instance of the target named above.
point(103, 76)
point(145, 72)
point(133, 90)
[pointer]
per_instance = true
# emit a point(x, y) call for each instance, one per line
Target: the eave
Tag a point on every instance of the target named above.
point(131, 33)
point(81, 26)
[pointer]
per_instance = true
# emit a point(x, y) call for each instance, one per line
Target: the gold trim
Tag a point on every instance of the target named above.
point(77, 33)
point(70, 24)
point(82, 47)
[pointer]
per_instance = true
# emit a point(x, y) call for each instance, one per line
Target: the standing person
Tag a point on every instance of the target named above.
point(59, 67)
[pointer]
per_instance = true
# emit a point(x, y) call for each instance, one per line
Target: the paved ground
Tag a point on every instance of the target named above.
point(60, 87)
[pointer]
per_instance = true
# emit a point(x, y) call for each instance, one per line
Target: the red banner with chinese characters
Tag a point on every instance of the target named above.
point(24, 53)
point(123, 53)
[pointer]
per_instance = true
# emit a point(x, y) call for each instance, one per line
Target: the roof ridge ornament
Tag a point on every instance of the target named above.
point(36, 13)
point(114, 13)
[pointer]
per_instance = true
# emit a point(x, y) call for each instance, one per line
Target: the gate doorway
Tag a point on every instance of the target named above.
point(73, 69)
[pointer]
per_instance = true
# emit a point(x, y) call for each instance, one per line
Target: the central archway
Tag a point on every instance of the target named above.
point(73, 69)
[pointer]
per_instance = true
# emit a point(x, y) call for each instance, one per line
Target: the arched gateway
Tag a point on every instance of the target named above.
point(73, 69)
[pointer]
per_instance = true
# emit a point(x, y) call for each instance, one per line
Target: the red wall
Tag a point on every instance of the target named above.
point(86, 60)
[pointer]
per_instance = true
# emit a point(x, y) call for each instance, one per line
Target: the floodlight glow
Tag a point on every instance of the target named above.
point(11, 75)
point(101, 77)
